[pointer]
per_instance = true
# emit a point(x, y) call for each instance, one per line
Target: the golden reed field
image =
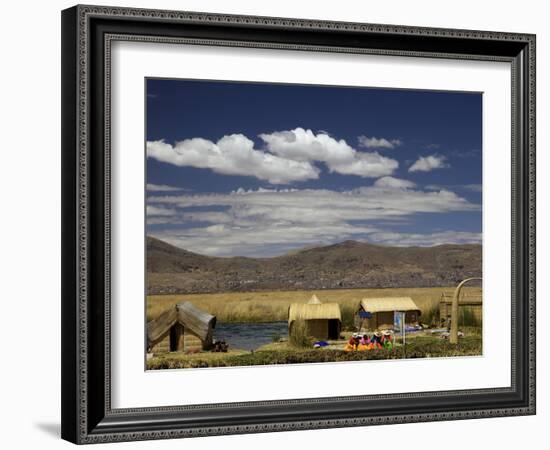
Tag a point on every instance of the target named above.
point(273, 305)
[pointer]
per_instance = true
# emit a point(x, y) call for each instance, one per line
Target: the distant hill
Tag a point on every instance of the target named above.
point(349, 264)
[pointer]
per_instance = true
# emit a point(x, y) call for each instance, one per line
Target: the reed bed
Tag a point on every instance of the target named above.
point(273, 306)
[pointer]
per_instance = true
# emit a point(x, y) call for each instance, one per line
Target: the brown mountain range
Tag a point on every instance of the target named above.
point(346, 265)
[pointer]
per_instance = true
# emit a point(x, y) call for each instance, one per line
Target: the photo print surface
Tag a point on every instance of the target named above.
point(307, 224)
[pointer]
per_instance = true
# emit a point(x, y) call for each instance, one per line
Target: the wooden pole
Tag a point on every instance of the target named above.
point(403, 325)
point(454, 310)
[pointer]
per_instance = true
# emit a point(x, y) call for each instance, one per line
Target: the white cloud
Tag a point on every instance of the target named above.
point(161, 215)
point(267, 239)
point(290, 156)
point(366, 165)
point(160, 211)
point(268, 221)
point(460, 187)
point(232, 155)
point(163, 188)
point(434, 187)
point(308, 205)
point(425, 240)
point(428, 163)
point(374, 142)
point(394, 183)
point(306, 146)
point(473, 187)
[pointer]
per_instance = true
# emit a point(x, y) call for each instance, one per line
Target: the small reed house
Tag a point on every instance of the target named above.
point(469, 304)
point(184, 328)
point(378, 313)
point(323, 320)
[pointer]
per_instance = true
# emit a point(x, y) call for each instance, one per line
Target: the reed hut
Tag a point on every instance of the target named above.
point(378, 313)
point(470, 302)
point(323, 320)
point(184, 328)
point(314, 300)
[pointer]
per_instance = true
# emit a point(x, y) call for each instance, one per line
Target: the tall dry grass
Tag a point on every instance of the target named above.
point(467, 318)
point(431, 316)
point(300, 335)
point(273, 306)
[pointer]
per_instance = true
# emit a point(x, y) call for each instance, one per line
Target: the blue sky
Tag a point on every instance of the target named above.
point(259, 169)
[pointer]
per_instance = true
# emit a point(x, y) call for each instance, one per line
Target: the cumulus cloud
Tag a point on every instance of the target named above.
point(232, 155)
point(265, 222)
point(306, 146)
point(290, 156)
point(428, 163)
point(394, 183)
point(374, 142)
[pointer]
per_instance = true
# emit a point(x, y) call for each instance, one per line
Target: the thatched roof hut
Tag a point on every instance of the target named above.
point(182, 328)
point(378, 313)
point(470, 301)
point(385, 304)
point(197, 320)
point(323, 320)
point(314, 300)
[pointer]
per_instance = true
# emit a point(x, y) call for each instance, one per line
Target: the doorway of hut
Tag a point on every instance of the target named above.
point(333, 329)
point(176, 332)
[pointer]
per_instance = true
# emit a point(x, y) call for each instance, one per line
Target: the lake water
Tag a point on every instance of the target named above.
point(249, 336)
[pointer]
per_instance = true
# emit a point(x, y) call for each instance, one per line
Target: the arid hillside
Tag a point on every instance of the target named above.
point(349, 264)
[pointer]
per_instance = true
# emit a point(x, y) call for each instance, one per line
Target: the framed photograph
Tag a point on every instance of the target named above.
point(283, 224)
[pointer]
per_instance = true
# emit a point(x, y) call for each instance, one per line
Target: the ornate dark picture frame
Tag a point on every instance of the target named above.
point(87, 34)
